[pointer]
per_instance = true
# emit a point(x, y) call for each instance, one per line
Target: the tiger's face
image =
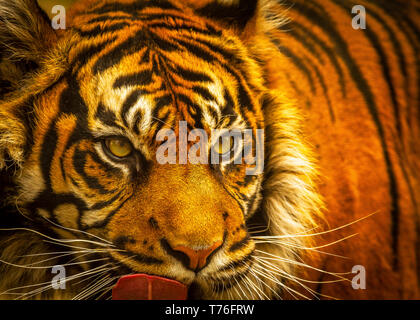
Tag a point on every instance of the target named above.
point(123, 131)
point(93, 167)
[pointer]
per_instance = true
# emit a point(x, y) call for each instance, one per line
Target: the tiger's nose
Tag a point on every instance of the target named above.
point(194, 259)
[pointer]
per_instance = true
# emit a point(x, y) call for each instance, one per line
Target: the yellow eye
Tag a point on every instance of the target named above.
point(119, 147)
point(225, 145)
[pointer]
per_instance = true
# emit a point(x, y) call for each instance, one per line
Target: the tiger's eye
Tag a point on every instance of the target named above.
point(225, 145)
point(119, 147)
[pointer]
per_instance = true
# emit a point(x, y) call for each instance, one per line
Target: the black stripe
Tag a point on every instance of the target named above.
point(229, 56)
point(208, 55)
point(296, 61)
point(409, 30)
point(129, 102)
point(131, 8)
point(103, 204)
point(306, 40)
point(83, 57)
point(245, 98)
point(395, 43)
point(181, 18)
point(190, 75)
point(136, 126)
point(111, 18)
point(144, 259)
point(104, 222)
point(101, 30)
point(224, 284)
point(142, 78)
point(129, 46)
point(47, 153)
point(237, 263)
point(328, 51)
point(178, 28)
point(240, 244)
point(195, 110)
point(383, 62)
point(199, 52)
point(107, 117)
point(71, 102)
point(204, 92)
point(161, 102)
point(304, 97)
point(79, 163)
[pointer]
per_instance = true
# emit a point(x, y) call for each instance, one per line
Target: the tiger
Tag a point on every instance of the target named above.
point(82, 108)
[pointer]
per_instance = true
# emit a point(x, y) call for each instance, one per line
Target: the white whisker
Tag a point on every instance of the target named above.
point(80, 231)
point(54, 239)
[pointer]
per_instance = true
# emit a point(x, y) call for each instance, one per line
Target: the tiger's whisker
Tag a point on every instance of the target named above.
point(236, 280)
point(322, 232)
point(285, 275)
point(258, 278)
point(261, 293)
point(49, 284)
point(106, 290)
point(96, 288)
point(256, 274)
point(91, 289)
point(49, 267)
point(275, 280)
point(275, 268)
point(289, 246)
point(274, 257)
point(273, 291)
point(34, 285)
point(96, 276)
point(52, 258)
point(76, 247)
point(54, 239)
point(80, 231)
point(50, 253)
point(250, 285)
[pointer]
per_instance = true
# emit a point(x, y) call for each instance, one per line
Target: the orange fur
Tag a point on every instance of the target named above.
point(340, 110)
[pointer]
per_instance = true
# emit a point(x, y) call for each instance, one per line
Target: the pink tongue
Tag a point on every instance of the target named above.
point(146, 287)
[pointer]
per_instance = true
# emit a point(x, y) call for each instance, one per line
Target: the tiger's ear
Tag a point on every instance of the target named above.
point(247, 18)
point(25, 37)
point(233, 13)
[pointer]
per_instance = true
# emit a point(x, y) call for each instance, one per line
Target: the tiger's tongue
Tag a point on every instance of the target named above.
point(147, 287)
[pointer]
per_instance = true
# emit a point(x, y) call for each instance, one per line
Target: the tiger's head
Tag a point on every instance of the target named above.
point(82, 116)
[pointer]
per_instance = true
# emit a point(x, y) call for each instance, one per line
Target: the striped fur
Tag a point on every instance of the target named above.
point(129, 68)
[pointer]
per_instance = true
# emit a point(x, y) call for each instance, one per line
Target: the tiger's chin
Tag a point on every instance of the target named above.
point(220, 287)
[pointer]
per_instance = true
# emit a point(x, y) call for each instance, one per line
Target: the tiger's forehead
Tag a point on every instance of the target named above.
point(141, 90)
point(142, 66)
